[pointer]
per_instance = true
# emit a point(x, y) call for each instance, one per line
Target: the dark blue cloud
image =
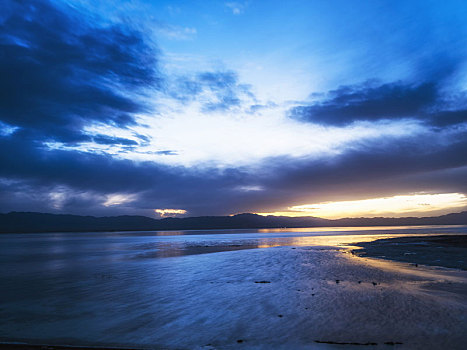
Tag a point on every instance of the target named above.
point(371, 102)
point(31, 171)
point(61, 71)
point(167, 152)
point(390, 166)
point(376, 168)
point(223, 86)
point(109, 140)
point(448, 117)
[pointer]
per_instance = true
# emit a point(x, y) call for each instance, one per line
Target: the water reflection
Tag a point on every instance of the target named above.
point(356, 228)
point(170, 233)
point(205, 244)
point(56, 250)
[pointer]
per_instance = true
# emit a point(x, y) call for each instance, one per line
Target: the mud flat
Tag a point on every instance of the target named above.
point(447, 251)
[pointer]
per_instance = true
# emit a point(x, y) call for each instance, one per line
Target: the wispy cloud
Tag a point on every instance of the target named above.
point(174, 32)
point(237, 8)
point(118, 199)
point(217, 90)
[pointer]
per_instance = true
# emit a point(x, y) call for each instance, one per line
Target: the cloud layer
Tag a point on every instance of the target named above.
point(372, 101)
point(78, 100)
point(61, 72)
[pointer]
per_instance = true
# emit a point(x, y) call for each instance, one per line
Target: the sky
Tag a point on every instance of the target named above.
point(187, 108)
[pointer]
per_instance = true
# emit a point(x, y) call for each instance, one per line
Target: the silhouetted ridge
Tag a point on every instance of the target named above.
point(40, 222)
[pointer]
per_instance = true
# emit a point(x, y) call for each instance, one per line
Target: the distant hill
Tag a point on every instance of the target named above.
point(16, 222)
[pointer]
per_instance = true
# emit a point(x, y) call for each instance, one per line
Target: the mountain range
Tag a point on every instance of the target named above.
point(24, 222)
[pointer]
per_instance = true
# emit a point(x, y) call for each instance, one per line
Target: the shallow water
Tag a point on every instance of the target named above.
point(188, 289)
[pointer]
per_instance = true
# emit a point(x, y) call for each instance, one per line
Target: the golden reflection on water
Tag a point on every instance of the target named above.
point(170, 233)
point(332, 240)
point(347, 228)
point(344, 241)
point(269, 245)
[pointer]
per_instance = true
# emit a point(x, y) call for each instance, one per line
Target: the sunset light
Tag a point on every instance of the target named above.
point(398, 206)
point(170, 212)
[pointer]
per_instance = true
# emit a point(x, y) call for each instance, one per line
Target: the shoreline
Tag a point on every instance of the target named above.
point(214, 231)
point(448, 251)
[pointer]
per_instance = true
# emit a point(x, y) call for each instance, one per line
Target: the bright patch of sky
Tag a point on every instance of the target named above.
point(406, 205)
point(192, 138)
point(6, 129)
point(284, 51)
point(232, 73)
point(169, 212)
point(118, 199)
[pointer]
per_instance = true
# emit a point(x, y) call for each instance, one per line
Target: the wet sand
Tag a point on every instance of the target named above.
point(445, 251)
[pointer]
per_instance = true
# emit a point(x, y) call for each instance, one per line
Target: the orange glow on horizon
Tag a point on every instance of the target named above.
point(170, 212)
point(399, 206)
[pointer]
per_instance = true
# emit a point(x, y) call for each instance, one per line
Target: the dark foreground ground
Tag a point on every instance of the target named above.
point(55, 347)
point(445, 251)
